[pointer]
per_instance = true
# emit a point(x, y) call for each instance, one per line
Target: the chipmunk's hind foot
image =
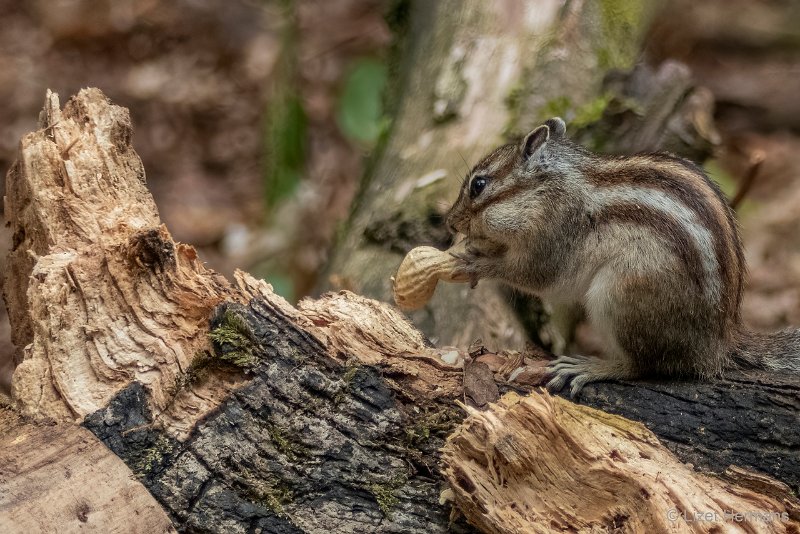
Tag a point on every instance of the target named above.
point(577, 371)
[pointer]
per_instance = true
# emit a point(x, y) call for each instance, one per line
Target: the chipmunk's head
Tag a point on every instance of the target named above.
point(516, 183)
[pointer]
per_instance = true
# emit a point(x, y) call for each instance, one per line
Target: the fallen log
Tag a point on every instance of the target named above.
point(238, 412)
point(542, 464)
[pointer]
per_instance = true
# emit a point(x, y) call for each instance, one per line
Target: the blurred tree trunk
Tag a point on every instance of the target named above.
point(473, 74)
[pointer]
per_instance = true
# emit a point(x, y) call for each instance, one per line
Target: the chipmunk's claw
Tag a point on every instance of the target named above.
point(575, 370)
point(470, 266)
point(476, 264)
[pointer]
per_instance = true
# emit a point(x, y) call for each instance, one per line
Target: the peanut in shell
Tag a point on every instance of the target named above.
point(420, 272)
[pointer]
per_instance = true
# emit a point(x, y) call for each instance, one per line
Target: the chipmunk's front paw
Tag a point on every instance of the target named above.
point(575, 370)
point(475, 265)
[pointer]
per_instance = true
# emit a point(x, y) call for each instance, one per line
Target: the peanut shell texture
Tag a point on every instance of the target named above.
point(420, 272)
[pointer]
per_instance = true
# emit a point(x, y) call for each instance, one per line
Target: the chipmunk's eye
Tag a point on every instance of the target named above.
point(477, 185)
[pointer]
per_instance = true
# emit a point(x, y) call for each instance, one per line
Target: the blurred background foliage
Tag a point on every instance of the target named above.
point(254, 119)
point(360, 108)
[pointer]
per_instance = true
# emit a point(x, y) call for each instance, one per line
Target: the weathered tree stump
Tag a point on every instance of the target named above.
point(237, 412)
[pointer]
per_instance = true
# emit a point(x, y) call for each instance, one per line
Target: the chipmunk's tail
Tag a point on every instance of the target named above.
point(777, 351)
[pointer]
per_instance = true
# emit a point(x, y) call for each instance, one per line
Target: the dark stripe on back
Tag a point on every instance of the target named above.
point(730, 216)
point(663, 225)
point(646, 171)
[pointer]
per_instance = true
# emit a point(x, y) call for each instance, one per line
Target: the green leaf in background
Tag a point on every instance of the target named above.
point(286, 151)
point(282, 285)
point(724, 180)
point(729, 186)
point(271, 271)
point(360, 107)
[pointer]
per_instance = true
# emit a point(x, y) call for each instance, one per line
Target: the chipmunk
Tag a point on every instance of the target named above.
point(645, 243)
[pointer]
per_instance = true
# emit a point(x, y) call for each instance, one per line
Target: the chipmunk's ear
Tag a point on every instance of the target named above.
point(557, 126)
point(534, 141)
point(554, 128)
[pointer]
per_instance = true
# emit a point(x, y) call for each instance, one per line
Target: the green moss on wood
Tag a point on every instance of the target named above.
point(623, 23)
point(432, 422)
point(353, 367)
point(417, 434)
point(153, 457)
point(272, 495)
point(283, 441)
point(196, 371)
point(577, 117)
point(235, 340)
point(350, 374)
point(386, 493)
point(274, 499)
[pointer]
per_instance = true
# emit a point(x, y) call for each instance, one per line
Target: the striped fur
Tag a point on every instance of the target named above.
point(646, 244)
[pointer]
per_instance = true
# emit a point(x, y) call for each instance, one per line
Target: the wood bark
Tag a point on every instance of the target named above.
point(237, 412)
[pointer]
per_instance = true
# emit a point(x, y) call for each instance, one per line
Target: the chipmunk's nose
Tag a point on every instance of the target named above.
point(455, 221)
point(451, 223)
